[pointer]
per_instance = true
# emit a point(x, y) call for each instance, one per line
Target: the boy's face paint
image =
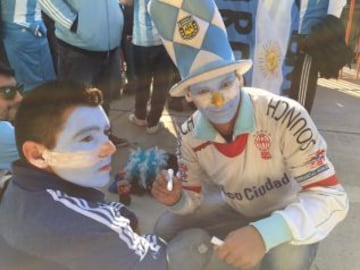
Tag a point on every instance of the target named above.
point(82, 154)
point(217, 99)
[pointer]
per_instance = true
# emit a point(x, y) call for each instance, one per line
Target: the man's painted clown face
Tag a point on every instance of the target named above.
point(82, 154)
point(218, 98)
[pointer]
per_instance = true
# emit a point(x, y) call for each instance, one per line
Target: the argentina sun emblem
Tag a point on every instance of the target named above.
point(188, 27)
point(263, 142)
point(269, 59)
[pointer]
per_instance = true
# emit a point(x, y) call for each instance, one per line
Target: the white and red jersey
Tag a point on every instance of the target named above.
point(276, 162)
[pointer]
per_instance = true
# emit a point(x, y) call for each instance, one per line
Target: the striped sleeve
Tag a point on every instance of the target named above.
point(109, 215)
point(59, 11)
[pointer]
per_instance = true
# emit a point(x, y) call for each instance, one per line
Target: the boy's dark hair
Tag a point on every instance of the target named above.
point(40, 116)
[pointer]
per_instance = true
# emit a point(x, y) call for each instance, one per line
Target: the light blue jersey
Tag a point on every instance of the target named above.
point(144, 31)
point(313, 11)
point(8, 151)
point(21, 12)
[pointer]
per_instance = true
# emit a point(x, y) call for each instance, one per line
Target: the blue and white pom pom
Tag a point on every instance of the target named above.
point(144, 165)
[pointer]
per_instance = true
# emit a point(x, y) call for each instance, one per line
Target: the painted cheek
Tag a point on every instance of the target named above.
point(203, 101)
point(78, 119)
point(231, 93)
point(72, 160)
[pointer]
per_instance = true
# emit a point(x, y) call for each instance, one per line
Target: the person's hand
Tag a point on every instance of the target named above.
point(242, 248)
point(162, 194)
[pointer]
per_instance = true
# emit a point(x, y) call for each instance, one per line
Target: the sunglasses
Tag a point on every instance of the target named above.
point(9, 92)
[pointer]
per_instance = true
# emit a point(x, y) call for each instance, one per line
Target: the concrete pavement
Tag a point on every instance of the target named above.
point(336, 112)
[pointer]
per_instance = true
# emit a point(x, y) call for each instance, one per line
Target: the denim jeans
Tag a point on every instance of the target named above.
point(28, 55)
point(97, 69)
point(219, 219)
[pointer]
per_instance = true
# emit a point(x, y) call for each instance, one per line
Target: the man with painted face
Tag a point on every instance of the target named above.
point(52, 216)
point(278, 193)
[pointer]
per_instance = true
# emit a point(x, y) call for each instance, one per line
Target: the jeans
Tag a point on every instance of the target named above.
point(151, 63)
point(219, 219)
point(97, 69)
point(28, 55)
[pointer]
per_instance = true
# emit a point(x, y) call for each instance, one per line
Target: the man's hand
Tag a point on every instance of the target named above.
point(242, 248)
point(162, 194)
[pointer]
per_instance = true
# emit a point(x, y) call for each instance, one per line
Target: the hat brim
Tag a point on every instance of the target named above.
point(240, 67)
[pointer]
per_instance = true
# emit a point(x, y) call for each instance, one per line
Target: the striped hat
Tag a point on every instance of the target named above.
point(195, 37)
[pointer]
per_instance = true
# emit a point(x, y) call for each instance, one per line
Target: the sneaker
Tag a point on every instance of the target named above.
point(154, 129)
point(136, 121)
point(118, 142)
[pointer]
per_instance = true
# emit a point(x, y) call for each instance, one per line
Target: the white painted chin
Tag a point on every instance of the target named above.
point(222, 117)
point(101, 181)
point(85, 177)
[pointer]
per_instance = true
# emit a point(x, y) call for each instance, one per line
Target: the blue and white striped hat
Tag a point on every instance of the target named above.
point(195, 37)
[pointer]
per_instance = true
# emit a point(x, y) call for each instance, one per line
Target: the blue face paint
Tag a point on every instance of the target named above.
point(217, 99)
point(82, 154)
point(223, 114)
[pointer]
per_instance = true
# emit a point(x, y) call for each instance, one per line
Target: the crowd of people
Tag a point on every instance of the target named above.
point(277, 194)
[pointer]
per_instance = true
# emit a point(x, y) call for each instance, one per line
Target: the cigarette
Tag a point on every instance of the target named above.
point(170, 182)
point(216, 241)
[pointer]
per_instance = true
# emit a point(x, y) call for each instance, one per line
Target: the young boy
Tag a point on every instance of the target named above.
point(52, 216)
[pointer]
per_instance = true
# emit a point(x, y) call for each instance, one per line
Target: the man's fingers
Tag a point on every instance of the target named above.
point(222, 252)
point(160, 181)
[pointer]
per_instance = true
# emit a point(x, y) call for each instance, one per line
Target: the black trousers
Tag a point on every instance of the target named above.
point(304, 81)
point(98, 69)
point(152, 68)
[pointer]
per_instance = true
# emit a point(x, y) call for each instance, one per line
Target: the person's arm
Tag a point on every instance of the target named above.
point(187, 193)
point(92, 235)
point(322, 202)
point(60, 12)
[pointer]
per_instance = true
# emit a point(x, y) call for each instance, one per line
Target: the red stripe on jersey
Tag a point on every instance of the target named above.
point(330, 181)
point(196, 189)
point(234, 148)
point(201, 146)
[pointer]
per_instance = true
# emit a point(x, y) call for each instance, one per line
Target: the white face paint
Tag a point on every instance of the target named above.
point(82, 154)
point(217, 99)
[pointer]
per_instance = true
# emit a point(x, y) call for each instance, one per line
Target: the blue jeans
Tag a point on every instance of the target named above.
point(29, 55)
point(219, 219)
point(98, 69)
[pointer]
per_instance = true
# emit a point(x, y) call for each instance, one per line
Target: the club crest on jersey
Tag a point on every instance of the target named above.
point(262, 142)
point(188, 27)
point(183, 169)
point(317, 159)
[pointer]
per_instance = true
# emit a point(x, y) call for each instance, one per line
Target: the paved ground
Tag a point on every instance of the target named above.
point(337, 114)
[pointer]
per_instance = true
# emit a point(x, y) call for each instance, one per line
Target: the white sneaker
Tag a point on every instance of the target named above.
point(136, 121)
point(154, 129)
